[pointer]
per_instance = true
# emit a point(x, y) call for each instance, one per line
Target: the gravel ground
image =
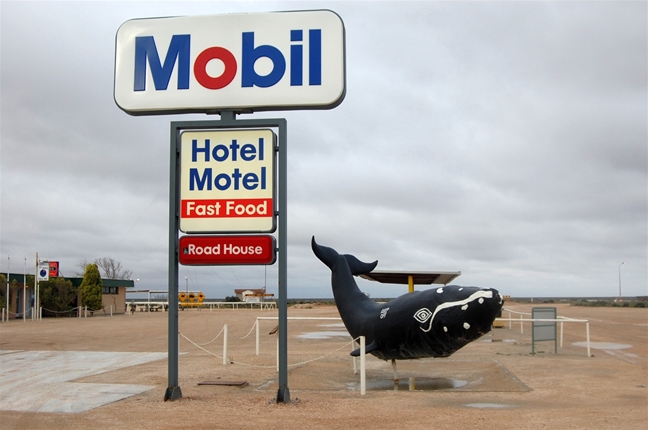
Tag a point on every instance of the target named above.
point(494, 382)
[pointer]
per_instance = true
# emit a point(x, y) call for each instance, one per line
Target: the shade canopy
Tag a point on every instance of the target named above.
point(403, 277)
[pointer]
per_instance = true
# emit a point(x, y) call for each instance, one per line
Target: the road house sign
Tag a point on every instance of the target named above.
point(257, 61)
point(227, 250)
point(227, 181)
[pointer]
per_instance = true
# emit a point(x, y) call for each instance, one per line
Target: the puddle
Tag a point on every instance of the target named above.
point(498, 340)
point(603, 345)
point(410, 384)
point(323, 334)
point(487, 405)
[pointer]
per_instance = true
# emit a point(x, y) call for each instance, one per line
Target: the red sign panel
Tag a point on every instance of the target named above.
point(53, 269)
point(227, 250)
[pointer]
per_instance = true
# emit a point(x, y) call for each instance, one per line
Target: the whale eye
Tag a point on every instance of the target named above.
point(466, 325)
point(464, 307)
point(422, 315)
point(440, 290)
point(481, 300)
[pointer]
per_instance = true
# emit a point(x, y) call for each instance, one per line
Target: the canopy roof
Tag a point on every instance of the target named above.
point(418, 278)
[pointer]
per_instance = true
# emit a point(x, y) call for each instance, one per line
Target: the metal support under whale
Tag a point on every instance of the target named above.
point(430, 323)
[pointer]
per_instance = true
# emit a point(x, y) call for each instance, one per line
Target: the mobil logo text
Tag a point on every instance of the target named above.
point(267, 61)
point(178, 58)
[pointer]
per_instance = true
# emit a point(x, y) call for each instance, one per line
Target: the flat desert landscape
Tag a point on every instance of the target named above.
point(111, 372)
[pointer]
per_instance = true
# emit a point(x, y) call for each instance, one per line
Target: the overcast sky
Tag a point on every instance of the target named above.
point(505, 140)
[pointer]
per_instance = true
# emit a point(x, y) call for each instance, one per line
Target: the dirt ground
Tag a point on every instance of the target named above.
point(494, 382)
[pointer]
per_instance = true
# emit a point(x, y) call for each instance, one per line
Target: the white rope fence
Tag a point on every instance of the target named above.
point(225, 330)
point(34, 316)
point(560, 319)
point(79, 310)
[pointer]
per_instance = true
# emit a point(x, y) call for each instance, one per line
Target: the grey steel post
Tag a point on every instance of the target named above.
point(173, 390)
point(283, 394)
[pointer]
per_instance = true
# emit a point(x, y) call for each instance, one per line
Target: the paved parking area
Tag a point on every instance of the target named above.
point(43, 381)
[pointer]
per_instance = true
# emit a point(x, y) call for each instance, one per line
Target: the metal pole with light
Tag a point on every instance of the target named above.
point(7, 296)
point(622, 263)
point(25, 290)
point(186, 285)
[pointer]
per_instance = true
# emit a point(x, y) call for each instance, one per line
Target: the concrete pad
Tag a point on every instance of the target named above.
point(39, 381)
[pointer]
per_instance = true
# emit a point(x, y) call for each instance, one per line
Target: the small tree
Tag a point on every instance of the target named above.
point(57, 295)
point(91, 288)
point(111, 268)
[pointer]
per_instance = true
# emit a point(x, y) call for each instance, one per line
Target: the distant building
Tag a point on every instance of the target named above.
point(114, 294)
point(253, 295)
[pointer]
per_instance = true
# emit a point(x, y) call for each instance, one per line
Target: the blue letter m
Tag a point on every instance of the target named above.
point(196, 180)
point(145, 49)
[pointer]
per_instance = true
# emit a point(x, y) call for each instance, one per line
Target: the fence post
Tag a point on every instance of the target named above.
point(363, 374)
point(355, 360)
point(257, 336)
point(225, 329)
point(588, 339)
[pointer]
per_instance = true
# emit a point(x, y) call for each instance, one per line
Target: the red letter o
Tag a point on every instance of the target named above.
point(200, 68)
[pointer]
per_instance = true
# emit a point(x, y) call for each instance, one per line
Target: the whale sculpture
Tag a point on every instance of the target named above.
point(430, 323)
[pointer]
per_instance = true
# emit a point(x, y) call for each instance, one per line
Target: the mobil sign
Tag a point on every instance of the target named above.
point(227, 181)
point(248, 62)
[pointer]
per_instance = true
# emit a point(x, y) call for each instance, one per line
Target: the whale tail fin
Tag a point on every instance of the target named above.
point(329, 256)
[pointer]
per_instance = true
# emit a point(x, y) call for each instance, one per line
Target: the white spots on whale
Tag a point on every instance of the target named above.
point(383, 313)
point(475, 296)
point(460, 288)
point(445, 329)
point(464, 307)
point(481, 300)
point(466, 326)
point(440, 290)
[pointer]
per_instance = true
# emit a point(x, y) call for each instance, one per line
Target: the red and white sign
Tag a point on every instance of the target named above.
point(227, 181)
point(227, 250)
point(251, 61)
point(53, 269)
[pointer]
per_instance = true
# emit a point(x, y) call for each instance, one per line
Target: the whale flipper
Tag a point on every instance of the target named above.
point(329, 256)
point(371, 347)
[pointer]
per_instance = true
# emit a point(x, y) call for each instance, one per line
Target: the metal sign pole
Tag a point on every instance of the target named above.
point(173, 390)
point(283, 393)
point(227, 120)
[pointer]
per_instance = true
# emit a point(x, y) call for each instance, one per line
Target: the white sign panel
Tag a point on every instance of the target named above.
point(264, 61)
point(227, 181)
point(43, 271)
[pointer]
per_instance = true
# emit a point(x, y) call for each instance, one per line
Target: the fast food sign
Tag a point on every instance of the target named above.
point(227, 181)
